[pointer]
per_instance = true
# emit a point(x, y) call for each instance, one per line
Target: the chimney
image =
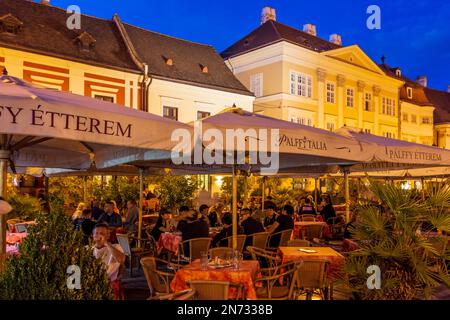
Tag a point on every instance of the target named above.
point(310, 28)
point(336, 39)
point(45, 2)
point(448, 88)
point(422, 80)
point(268, 13)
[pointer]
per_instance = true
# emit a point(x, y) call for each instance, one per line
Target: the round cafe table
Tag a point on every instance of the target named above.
point(301, 225)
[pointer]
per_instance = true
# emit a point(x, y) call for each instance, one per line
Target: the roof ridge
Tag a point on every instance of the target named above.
point(166, 35)
point(306, 33)
point(439, 90)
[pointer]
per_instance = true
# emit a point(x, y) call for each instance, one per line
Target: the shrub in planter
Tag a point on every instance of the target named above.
point(40, 272)
point(24, 207)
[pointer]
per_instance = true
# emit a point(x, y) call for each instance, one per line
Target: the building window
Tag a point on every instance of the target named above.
point(368, 102)
point(330, 92)
point(202, 114)
point(104, 98)
point(405, 117)
point(350, 97)
point(256, 84)
point(303, 121)
point(409, 92)
point(388, 106)
point(170, 112)
point(330, 126)
point(367, 131)
point(414, 118)
point(301, 85)
point(426, 120)
point(389, 135)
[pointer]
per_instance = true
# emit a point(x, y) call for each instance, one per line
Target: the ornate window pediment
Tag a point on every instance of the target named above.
point(85, 41)
point(9, 24)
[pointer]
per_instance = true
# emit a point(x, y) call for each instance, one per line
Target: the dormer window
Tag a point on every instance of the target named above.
point(168, 61)
point(398, 72)
point(86, 41)
point(204, 68)
point(409, 92)
point(9, 24)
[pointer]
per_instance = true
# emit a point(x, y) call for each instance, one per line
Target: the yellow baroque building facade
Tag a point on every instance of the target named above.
point(297, 76)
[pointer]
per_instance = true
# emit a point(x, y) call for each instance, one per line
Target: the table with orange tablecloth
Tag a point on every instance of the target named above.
point(13, 238)
point(169, 241)
point(245, 275)
point(335, 259)
point(300, 225)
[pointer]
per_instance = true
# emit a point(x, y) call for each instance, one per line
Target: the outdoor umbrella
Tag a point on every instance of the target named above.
point(42, 127)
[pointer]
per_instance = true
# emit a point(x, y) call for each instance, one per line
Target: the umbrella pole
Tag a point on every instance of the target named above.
point(141, 202)
point(4, 161)
point(263, 193)
point(235, 221)
point(347, 195)
point(315, 193)
point(85, 189)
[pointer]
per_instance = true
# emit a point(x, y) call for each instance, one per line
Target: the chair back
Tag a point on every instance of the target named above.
point(259, 240)
point(266, 258)
point(124, 242)
point(197, 246)
point(298, 243)
point(271, 278)
point(240, 242)
point(307, 218)
point(156, 283)
point(313, 231)
point(21, 227)
point(220, 252)
point(312, 274)
point(285, 237)
point(211, 290)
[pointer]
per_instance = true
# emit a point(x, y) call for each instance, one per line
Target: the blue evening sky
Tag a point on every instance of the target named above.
point(414, 35)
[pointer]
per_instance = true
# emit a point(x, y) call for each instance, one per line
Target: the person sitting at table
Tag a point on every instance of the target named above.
point(162, 224)
point(204, 213)
point(111, 255)
point(182, 218)
point(307, 208)
point(270, 216)
point(113, 219)
point(192, 229)
point(327, 211)
point(132, 217)
point(284, 222)
point(97, 211)
point(250, 225)
point(219, 239)
point(79, 211)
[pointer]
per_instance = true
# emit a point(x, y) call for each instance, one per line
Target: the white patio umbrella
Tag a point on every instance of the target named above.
point(42, 127)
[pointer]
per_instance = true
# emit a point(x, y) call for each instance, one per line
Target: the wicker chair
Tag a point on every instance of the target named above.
point(310, 232)
point(132, 253)
point(210, 290)
point(158, 280)
point(196, 247)
point(307, 218)
point(311, 277)
point(240, 242)
point(259, 240)
point(21, 227)
point(266, 258)
point(220, 252)
point(337, 227)
point(298, 243)
point(284, 235)
point(276, 283)
point(188, 294)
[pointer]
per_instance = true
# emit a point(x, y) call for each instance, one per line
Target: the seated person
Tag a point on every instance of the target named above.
point(192, 229)
point(250, 225)
point(270, 216)
point(204, 213)
point(307, 208)
point(182, 220)
point(162, 224)
point(327, 210)
point(132, 217)
point(284, 222)
point(111, 255)
point(219, 239)
point(111, 218)
point(97, 211)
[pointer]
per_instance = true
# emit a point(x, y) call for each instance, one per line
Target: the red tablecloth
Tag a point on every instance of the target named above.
point(13, 238)
point(299, 226)
point(169, 241)
point(247, 272)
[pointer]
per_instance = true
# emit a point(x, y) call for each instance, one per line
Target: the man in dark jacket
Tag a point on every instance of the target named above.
point(227, 231)
point(192, 229)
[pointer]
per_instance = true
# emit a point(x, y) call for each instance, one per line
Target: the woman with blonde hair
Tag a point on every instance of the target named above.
point(79, 211)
